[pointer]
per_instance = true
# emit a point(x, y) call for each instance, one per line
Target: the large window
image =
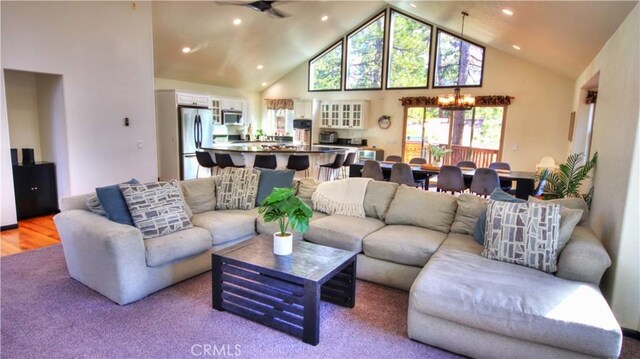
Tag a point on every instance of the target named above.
point(458, 62)
point(409, 52)
point(365, 48)
point(325, 70)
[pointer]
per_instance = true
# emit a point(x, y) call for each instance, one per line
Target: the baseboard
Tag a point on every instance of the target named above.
point(8, 227)
point(631, 333)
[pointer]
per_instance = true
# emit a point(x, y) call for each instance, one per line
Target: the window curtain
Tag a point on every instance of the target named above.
point(279, 104)
point(423, 101)
point(592, 97)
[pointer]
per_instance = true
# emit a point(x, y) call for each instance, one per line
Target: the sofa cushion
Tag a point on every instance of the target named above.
point(157, 208)
point(417, 207)
point(573, 203)
point(199, 194)
point(114, 203)
point(93, 203)
point(270, 228)
point(227, 225)
point(342, 232)
point(461, 242)
point(171, 247)
point(569, 218)
point(403, 244)
point(270, 179)
point(517, 302)
point(378, 198)
point(470, 208)
point(306, 186)
point(237, 188)
point(523, 233)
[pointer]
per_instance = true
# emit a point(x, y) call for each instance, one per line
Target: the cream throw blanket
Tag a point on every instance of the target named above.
point(344, 197)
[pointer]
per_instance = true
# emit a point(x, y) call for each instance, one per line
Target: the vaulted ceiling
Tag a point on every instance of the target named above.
point(561, 36)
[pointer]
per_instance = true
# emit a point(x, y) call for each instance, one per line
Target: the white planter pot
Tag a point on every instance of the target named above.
point(437, 163)
point(282, 246)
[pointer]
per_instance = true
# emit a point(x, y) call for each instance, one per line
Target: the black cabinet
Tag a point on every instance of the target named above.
point(35, 189)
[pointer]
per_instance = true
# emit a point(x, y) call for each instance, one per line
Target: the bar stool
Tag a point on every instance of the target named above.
point(224, 160)
point(204, 160)
point(333, 167)
point(299, 163)
point(351, 158)
point(266, 161)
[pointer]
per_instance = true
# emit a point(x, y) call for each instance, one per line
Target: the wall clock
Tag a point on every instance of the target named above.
point(384, 121)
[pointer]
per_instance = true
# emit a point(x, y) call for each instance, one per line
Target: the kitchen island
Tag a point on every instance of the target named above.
point(244, 153)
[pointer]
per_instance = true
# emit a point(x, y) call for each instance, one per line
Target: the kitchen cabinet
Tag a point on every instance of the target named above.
point(215, 107)
point(35, 189)
point(234, 104)
point(303, 109)
point(344, 114)
point(189, 99)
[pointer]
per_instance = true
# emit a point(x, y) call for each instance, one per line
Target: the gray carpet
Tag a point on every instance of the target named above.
point(47, 314)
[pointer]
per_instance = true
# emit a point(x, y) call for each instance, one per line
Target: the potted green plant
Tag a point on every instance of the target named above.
point(566, 181)
point(260, 134)
point(437, 153)
point(283, 206)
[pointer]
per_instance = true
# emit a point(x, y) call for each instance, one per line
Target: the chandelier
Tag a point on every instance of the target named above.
point(456, 102)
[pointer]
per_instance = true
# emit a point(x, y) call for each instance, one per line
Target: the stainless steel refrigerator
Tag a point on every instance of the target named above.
point(196, 132)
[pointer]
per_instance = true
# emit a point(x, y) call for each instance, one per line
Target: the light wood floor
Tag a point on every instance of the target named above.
point(31, 233)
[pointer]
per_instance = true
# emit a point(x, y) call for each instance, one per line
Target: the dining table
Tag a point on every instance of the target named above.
point(525, 181)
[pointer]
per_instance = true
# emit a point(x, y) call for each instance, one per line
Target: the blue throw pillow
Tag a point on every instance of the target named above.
point(113, 203)
point(269, 179)
point(497, 195)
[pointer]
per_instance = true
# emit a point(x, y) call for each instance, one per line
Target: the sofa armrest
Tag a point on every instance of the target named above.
point(584, 258)
point(104, 255)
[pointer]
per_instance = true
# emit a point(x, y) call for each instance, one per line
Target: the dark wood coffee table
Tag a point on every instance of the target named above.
point(283, 292)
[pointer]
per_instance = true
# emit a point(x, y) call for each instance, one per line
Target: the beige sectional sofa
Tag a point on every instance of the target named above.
point(410, 239)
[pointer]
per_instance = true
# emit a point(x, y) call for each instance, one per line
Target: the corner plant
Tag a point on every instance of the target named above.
point(567, 180)
point(283, 206)
point(438, 152)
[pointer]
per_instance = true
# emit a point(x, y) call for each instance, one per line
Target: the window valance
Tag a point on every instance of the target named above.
point(432, 101)
point(592, 97)
point(279, 103)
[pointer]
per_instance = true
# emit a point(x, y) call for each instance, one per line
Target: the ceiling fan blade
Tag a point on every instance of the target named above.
point(237, 3)
point(277, 13)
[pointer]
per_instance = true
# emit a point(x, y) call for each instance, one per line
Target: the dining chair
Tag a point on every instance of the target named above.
point(485, 180)
point(299, 163)
point(204, 160)
point(504, 184)
point(372, 169)
point(467, 164)
point(224, 160)
point(450, 179)
point(393, 158)
point(333, 167)
point(265, 161)
point(417, 161)
point(351, 158)
point(401, 173)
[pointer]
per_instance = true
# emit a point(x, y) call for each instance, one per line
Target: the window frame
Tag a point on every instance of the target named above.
point(388, 49)
point(484, 53)
point(384, 48)
point(322, 53)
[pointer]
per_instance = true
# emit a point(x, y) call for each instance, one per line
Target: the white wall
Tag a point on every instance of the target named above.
point(104, 51)
point(616, 212)
point(22, 110)
point(537, 121)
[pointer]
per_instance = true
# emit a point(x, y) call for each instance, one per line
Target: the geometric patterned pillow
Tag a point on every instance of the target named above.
point(523, 233)
point(157, 208)
point(237, 188)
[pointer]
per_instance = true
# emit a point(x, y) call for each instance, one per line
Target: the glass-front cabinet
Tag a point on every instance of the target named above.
point(324, 115)
point(344, 114)
point(335, 115)
point(215, 107)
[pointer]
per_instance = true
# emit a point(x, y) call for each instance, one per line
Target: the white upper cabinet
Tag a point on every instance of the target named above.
point(234, 104)
point(344, 114)
point(215, 107)
point(303, 109)
point(190, 99)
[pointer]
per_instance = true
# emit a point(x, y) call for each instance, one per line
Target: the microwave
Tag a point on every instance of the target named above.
point(232, 117)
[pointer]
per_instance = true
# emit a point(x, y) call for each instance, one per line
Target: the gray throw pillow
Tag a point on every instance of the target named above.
point(95, 207)
point(417, 207)
point(378, 198)
point(270, 179)
point(157, 208)
point(523, 233)
point(497, 195)
point(470, 209)
point(573, 203)
point(306, 187)
point(237, 188)
point(569, 218)
point(199, 194)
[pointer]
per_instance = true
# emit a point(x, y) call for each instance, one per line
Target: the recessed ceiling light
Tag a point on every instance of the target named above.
point(186, 50)
point(259, 67)
point(237, 22)
point(507, 12)
point(412, 5)
point(324, 18)
point(516, 47)
point(264, 84)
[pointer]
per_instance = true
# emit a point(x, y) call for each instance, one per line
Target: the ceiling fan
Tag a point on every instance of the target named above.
point(260, 6)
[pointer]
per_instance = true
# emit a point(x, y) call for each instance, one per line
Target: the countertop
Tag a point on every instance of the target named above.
point(247, 147)
point(340, 145)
